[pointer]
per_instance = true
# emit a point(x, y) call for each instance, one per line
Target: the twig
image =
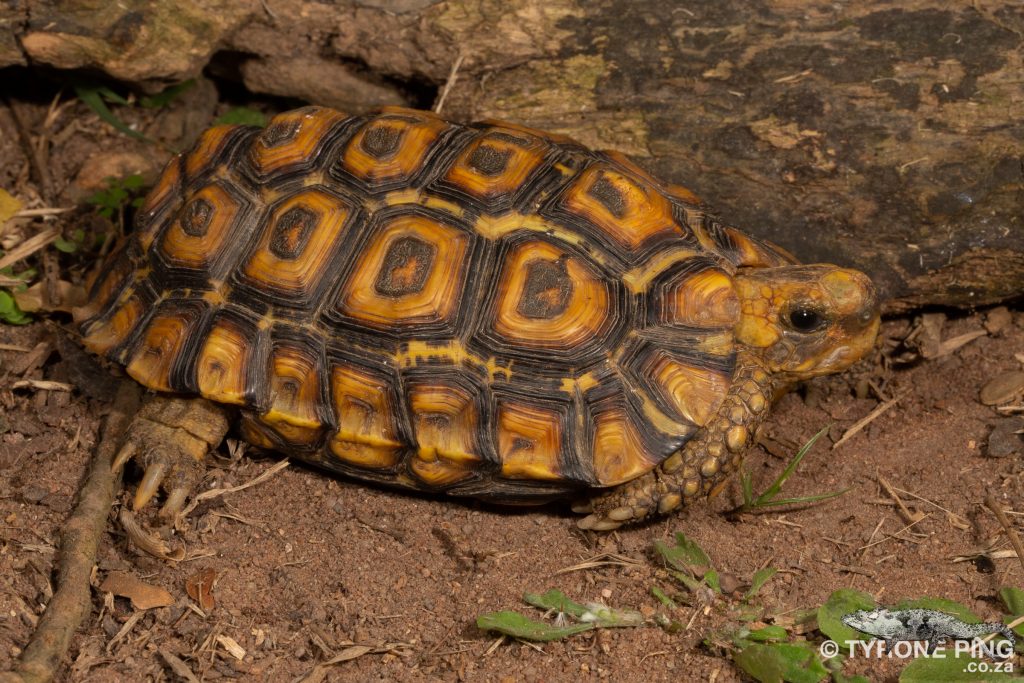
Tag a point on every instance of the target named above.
point(37, 213)
point(29, 247)
point(80, 538)
point(213, 493)
point(908, 516)
point(453, 76)
point(867, 419)
point(37, 155)
point(1011, 533)
point(42, 384)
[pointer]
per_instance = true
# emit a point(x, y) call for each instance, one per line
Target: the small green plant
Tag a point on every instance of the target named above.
point(9, 311)
point(119, 194)
point(97, 96)
point(243, 116)
point(769, 497)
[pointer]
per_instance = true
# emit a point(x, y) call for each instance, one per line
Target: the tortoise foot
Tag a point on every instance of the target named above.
point(169, 439)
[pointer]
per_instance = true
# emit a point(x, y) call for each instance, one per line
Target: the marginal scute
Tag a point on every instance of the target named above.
point(105, 335)
point(210, 146)
point(104, 286)
point(225, 361)
point(167, 334)
point(695, 392)
point(294, 388)
point(618, 451)
point(164, 195)
point(529, 441)
point(704, 299)
point(367, 435)
point(445, 422)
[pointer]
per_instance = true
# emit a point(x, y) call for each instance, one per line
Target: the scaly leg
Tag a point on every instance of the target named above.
point(702, 465)
point(169, 438)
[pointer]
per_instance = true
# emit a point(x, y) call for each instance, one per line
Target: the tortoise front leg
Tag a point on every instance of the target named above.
point(169, 438)
point(702, 466)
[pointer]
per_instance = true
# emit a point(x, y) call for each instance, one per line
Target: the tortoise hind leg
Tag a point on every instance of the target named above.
point(169, 438)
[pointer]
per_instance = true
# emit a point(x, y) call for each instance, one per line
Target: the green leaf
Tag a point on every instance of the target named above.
point(760, 578)
point(941, 605)
point(1013, 598)
point(556, 600)
point(663, 598)
point(516, 625)
point(66, 246)
point(167, 95)
point(243, 116)
point(111, 96)
point(951, 668)
point(9, 311)
point(768, 633)
point(688, 581)
point(712, 579)
point(840, 603)
point(93, 98)
point(133, 181)
point(685, 555)
point(776, 662)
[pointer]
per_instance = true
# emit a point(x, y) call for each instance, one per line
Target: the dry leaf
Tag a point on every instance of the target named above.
point(71, 296)
point(9, 205)
point(199, 587)
point(142, 595)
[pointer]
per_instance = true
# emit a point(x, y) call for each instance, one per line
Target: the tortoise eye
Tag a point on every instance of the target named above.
point(805, 320)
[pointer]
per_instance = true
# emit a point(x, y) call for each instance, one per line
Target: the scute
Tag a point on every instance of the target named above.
point(486, 310)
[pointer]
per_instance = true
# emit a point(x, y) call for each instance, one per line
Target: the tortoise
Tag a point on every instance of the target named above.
point(483, 310)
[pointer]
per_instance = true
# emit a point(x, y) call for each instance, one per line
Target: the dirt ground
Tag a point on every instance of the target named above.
point(307, 565)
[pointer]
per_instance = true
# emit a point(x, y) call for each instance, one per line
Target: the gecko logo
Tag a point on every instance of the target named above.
point(894, 627)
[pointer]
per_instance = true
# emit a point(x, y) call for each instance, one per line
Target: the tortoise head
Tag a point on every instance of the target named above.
point(806, 321)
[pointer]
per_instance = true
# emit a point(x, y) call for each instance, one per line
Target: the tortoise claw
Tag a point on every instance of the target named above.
point(150, 484)
point(123, 456)
point(175, 502)
point(598, 522)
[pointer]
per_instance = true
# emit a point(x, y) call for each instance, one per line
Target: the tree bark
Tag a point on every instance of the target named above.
point(886, 135)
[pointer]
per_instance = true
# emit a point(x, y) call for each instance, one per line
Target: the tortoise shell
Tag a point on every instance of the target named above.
point(482, 309)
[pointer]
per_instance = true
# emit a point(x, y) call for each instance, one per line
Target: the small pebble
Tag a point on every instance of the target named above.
point(997, 319)
point(1002, 388)
point(1004, 439)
